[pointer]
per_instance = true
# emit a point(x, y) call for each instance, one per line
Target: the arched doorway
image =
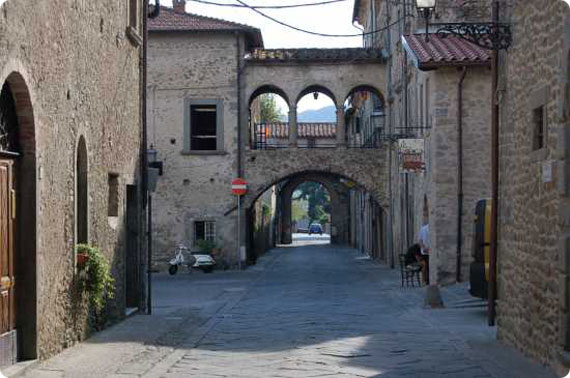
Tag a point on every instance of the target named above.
point(18, 319)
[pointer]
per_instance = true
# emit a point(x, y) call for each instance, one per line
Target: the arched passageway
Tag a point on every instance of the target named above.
point(353, 215)
point(18, 320)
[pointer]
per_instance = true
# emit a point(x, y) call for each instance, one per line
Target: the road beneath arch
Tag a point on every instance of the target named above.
point(309, 311)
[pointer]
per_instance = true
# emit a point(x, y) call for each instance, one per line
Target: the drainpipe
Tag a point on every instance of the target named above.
point(144, 160)
point(460, 170)
point(239, 136)
point(494, 178)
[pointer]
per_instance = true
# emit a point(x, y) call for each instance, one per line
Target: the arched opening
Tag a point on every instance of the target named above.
point(18, 319)
point(354, 215)
point(311, 213)
point(268, 118)
point(364, 111)
point(81, 194)
point(316, 117)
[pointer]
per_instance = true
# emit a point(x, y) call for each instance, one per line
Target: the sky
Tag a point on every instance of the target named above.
point(333, 18)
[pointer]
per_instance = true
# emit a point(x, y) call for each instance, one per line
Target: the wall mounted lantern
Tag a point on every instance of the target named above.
point(315, 95)
point(488, 35)
point(425, 9)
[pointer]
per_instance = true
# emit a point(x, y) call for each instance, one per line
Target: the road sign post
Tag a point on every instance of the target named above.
point(239, 188)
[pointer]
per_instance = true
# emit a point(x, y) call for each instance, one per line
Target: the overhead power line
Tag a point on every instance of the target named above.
point(317, 33)
point(269, 6)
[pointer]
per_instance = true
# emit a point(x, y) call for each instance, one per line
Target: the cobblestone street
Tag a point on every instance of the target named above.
point(310, 311)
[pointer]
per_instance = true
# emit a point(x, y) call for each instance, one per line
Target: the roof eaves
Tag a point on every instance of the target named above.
point(355, 11)
point(411, 52)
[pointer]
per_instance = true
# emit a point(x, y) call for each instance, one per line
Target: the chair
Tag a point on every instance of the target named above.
point(409, 272)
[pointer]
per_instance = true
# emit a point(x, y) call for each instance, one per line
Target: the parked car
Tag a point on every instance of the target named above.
point(315, 228)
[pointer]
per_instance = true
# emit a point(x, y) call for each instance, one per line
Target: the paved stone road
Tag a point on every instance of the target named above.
point(312, 311)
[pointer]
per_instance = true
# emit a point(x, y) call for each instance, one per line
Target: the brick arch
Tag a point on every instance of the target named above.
point(268, 88)
point(316, 88)
point(366, 167)
point(25, 250)
point(368, 88)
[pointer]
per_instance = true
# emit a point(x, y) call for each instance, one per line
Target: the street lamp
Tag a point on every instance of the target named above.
point(426, 9)
point(488, 35)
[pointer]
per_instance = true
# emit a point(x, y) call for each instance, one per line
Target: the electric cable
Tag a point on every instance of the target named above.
point(269, 6)
point(317, 33)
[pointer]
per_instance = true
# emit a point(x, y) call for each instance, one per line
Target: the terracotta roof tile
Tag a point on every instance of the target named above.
point(444, 50)
point(280, 130)
point(315, 54)
point(170, 20)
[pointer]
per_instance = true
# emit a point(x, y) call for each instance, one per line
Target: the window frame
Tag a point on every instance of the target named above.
point(207, 230)
point(187, 134)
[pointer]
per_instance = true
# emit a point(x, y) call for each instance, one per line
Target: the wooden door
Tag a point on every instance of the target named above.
point(7, 217)
point(133, 256)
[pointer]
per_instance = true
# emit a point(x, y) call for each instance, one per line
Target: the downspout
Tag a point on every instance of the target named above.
point(147, 198)
point(460, 170)
point(494, 178)
point(239, 136)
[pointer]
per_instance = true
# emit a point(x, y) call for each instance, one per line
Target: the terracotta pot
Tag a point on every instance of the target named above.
point(82, 259)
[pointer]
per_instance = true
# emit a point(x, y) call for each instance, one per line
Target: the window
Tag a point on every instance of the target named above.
point(203, 126)
point(204, 230)
point(421, 106)
point(113, 200)
point(538, 128)
point(427, 105)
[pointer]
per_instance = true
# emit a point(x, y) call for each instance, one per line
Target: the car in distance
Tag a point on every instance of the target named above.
point(315, 228)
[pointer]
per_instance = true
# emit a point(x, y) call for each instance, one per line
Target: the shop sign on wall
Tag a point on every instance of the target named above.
point(411, 155)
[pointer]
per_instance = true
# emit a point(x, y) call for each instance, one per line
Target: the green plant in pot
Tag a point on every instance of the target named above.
point(99, 283)
point(206, 245)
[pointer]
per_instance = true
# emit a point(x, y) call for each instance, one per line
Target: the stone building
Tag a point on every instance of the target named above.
point(70, 165)
point(211, 72)
point(195, 70)
point(437, 89)
point(533, 250)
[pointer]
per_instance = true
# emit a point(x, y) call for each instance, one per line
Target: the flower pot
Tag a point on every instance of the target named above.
point(82, 259)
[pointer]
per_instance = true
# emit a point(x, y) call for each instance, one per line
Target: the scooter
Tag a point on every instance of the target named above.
point(199, 260)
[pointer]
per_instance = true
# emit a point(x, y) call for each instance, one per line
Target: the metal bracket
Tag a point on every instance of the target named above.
point(488, 35)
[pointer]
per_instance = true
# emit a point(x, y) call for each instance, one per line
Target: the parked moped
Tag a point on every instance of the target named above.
point(199, 260)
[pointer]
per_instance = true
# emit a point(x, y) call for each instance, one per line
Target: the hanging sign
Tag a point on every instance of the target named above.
point(239, 187)
point(411, 155)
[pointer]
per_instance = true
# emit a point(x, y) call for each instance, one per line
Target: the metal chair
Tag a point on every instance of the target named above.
point(408, 272)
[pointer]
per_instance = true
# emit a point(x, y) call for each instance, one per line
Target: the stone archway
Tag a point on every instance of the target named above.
point(17, 125)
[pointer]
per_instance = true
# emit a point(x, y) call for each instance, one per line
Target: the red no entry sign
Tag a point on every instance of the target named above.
point(239, 187)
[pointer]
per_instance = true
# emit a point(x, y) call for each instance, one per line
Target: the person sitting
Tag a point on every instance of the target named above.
point(413, 258)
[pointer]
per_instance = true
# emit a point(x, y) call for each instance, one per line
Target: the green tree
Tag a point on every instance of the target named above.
point(318, 198)
point(298, 210)
point(269, 111)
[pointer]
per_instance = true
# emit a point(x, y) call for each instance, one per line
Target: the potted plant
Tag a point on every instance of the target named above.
point(99, 283)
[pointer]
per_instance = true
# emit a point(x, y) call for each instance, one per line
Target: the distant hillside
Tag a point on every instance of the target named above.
point(326, 114)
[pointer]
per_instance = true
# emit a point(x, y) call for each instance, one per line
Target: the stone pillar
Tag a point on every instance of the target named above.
point(340, 135)
point(292, 127)
point(286, 234)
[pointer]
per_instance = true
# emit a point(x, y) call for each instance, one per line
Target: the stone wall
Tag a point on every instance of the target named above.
point(440, 183)
point(192, 66)
point(430, 100)
point(533, 210)
point(82, 74)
